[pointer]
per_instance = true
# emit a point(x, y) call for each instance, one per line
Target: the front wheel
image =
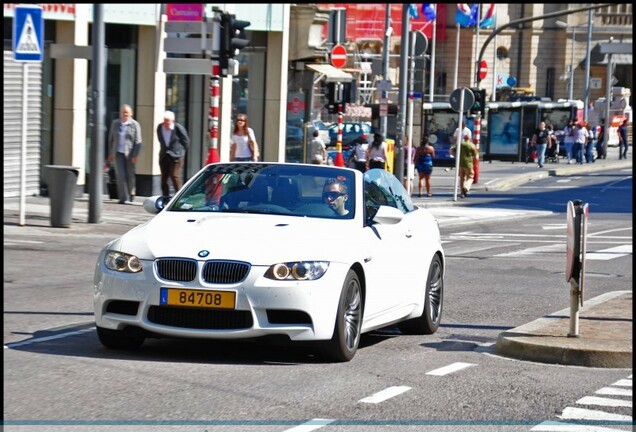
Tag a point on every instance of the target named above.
point(429, 321)
point(127, 339)
point(346, 334)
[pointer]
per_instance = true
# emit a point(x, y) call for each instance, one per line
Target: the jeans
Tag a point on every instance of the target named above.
point(541, 153)
point(589, 156)
point(622, 150)
point(568, 150)
point(578, 152)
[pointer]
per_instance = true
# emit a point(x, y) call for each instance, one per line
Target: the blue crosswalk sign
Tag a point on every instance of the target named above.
point(28, 34)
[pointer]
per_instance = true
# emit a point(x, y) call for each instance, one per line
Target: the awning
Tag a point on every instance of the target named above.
point(330, 73)
point(621, 55)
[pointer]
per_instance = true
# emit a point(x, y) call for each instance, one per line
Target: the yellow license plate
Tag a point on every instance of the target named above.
point(198, 298)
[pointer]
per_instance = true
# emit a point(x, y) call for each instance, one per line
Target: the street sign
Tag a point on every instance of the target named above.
point(187, 66)
point(483, 69)
point(28, 34)
point(184, 11)
point(187, 45)
point(421, 42)
point(338, 56)
point(384, 85)
point(197, 27)
point(455, 99)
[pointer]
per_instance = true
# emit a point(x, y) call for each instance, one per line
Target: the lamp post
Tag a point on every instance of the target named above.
point(587, 58)
point(590, 23)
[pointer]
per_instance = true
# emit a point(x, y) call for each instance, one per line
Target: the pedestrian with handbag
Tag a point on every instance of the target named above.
point(244, 146)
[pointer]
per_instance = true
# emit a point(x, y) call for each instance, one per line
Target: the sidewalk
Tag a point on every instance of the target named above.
point(605, 322)
point(604, 335)
point(502, 176)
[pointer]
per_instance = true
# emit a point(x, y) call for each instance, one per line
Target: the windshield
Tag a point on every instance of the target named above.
point(294, 189)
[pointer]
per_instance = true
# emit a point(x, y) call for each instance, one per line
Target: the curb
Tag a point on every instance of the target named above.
point(545, 340)
point(516, 180)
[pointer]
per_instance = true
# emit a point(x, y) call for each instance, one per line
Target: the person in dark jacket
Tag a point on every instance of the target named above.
point(173, 143)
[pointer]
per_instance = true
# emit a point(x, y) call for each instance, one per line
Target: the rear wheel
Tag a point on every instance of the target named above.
point(346, 335)
point(429, 321)
point(127, 339)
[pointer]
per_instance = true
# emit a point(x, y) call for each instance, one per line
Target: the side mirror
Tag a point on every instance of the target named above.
point(388, 215)
point(155, 204)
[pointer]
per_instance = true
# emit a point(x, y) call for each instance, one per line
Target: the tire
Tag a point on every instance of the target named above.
point(346, 334)
point(127, 339)
point(431, 317)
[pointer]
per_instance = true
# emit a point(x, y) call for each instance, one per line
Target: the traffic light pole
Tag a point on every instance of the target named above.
point(213, 153)
point(339, 162)
point(477, 138)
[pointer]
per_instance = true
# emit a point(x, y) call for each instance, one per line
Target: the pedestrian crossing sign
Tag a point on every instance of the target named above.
point(28, 34)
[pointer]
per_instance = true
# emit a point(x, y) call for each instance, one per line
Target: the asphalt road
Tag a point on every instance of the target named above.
point(505, 268)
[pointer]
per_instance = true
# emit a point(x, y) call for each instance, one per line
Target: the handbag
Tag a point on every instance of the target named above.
point(254, 149)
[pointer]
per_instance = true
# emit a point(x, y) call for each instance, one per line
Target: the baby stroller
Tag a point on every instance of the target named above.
point(552, 153)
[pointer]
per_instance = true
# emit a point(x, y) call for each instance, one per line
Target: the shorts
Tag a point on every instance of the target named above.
point(425, 169)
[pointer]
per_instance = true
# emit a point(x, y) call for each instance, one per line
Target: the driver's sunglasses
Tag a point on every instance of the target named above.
point(331, 195)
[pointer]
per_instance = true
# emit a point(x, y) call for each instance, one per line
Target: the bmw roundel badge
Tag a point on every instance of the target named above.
point(204, 253)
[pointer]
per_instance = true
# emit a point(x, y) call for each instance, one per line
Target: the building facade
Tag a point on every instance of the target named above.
point(277, 86)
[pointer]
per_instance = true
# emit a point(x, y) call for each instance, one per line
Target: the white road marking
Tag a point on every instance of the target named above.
point(586, 414)
point(565, 427)
point(450, 369)
point(48, 338)
point(624, 382)
point(611, 391)
point(385, 394)
point(593, 400)
point(558, 247)
point(611, 253)
point(15, 241)
point(555, 227)
point(310, 425)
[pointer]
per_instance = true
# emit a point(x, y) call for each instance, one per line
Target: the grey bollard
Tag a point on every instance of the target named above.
point(62, 181)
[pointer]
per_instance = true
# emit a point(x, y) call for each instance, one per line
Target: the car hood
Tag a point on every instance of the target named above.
point(258, 239)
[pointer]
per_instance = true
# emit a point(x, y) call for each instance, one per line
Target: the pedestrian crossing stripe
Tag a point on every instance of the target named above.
point(28, 42)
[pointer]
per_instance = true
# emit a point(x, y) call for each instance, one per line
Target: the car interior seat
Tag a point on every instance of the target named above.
point(286, 192)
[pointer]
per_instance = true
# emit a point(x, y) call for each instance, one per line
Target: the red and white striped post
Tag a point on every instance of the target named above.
point(339, 158)
point(213, 152)
point(477, 138)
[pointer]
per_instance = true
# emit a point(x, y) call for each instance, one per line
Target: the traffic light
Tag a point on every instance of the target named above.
point(338, 94)
point(480, 101)
point(232, 40)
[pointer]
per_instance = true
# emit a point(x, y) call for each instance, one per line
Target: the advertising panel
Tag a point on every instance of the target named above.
point(439, 126)
point(504, 132)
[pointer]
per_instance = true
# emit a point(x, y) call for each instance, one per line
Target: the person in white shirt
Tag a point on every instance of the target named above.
point(318, 149)
point(244, 146)
point(457, 135)
point(377, 152)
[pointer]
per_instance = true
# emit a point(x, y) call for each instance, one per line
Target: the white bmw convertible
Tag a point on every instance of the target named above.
point(243, 250)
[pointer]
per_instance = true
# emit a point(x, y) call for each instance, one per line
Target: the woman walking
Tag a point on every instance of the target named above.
point(377, 152)
point(424, 164)
point(244, 146)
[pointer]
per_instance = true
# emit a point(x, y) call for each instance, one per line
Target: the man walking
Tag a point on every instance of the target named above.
point(124, 143)
point(174, 143)
point(467, 152)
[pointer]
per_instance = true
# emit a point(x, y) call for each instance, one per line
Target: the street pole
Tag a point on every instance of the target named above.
point(98, 70)
point(409, 166)
point(385, 61)
point(587, 63)
point(404, 67)
point(571, 96)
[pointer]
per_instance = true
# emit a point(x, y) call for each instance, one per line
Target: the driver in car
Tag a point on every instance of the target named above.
point(335, 195)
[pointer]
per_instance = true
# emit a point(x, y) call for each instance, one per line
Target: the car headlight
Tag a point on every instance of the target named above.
point(122, 262)
point(297, 270)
